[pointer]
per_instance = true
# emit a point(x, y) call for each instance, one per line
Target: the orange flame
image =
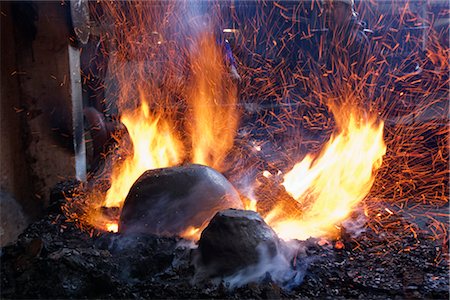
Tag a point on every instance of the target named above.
point(332, 184)
point(250, 204)
point(155, 145)
point(192, 233)
point(155, 140)
point(213, 100)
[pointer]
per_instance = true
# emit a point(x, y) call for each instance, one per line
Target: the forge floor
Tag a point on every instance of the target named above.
point(54, 259)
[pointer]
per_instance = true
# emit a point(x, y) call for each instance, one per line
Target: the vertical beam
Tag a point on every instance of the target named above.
point(47, 69)
point(77, 113)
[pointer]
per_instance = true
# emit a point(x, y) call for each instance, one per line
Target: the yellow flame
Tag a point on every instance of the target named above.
point(251, 204)
point(112, 227)
point(155, 145)
point(330, 185)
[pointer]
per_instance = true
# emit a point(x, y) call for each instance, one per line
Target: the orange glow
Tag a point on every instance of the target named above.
point(330, 185)
point(173, 93)
point(250, 204)
point(112, 227)
point(192, 233)
point(155, 145)
point(213, 102)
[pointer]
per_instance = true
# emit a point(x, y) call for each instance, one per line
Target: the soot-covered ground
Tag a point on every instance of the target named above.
point(54, 259)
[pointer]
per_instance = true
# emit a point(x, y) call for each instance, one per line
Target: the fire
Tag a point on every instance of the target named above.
point(192, 233)
point(213, 100)
point(250, 204)
point(155, 145)
point(330, 185)
point(327, 186)
point(112, 227)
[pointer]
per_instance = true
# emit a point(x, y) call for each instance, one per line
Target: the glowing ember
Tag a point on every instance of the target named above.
point(331, 185)
point(112, 227)
point(192, 233)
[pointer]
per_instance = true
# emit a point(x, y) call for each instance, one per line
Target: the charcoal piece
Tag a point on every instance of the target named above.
point(168, 201)
point(233, 240)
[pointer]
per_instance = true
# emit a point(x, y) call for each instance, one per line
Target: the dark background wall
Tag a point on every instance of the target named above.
point(40, 96)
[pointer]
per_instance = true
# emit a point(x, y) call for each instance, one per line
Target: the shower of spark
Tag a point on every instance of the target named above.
point(406, 85)
point(290, 115)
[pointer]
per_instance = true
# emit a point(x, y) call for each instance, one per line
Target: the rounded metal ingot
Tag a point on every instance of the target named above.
point(168, 201)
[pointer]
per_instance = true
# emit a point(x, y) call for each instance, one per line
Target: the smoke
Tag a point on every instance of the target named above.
point(187, 244)
point(287, 268)
point(196, 18)
point(355, 225)
point(246, 185)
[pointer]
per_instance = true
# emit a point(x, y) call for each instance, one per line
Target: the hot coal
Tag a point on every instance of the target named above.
point(233, 240)
point(167, 201)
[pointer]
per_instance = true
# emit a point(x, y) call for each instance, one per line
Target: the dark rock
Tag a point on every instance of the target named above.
point(167, 201)
point(233, 240)
point(34, 248)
